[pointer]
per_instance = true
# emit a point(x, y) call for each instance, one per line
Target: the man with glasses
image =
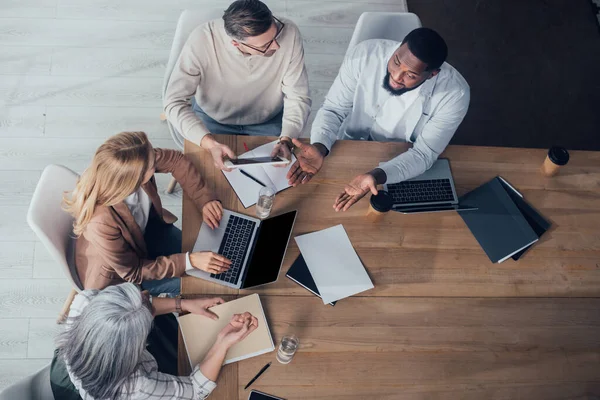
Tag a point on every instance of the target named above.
point(245, 75)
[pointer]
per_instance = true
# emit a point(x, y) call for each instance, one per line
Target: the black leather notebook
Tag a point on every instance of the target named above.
point(498, 224)
point(300, 274)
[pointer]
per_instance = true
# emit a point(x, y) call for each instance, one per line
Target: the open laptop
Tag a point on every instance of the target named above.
point(432, 191)
point(256, 248)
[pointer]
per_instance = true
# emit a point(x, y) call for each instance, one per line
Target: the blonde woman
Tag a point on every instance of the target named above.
point(123, 232)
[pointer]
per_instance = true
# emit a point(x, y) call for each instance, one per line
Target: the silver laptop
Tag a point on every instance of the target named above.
point(256, 248)
point(433, 191)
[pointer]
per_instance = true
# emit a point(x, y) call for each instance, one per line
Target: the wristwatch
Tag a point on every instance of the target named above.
point(178, 304)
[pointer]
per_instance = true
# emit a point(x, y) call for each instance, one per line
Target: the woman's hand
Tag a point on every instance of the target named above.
point(210, 262)
point(201, 306)
point(240, 326)
point(212, 212)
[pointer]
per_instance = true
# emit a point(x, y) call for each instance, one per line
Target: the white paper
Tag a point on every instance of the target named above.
point(246, 189)
point(333, 263)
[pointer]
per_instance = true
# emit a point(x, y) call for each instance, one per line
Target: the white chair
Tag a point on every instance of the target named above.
point(383, 25)
point(188, 21)
point(34, 387)
point(54, 226)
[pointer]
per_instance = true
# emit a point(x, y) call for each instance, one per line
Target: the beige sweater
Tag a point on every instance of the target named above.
point(237, 89)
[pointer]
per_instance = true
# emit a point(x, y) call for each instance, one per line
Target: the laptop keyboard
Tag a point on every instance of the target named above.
point(234, 246)
point(427, 191)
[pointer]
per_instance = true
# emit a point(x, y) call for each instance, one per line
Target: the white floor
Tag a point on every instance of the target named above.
point(72, 73)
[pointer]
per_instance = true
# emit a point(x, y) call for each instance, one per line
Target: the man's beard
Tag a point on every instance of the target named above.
point(396, 92)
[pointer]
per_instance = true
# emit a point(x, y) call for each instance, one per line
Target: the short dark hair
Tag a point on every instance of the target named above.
point(428, 46)
point(246, 18)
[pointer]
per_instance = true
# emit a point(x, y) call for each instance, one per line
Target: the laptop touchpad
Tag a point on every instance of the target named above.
point(210, 239)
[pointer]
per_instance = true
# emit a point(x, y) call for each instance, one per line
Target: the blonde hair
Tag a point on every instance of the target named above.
point(117, 171)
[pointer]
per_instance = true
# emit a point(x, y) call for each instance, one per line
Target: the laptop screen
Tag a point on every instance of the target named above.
point(269, 250)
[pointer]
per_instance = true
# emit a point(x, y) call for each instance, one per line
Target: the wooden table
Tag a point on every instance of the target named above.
point(442, 320)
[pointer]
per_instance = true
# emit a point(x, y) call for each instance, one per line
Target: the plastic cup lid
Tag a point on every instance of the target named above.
point(558, 155)
point(382, 202)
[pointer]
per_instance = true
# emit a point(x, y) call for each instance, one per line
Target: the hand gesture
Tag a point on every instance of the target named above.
point(355, 191)
point(212, 212)
point(209, 262)
point(240, 326)
point(282, 149)
point(201, 306)
point(310, 161)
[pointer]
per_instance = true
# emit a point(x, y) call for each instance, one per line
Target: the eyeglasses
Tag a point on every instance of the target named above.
point(267, 45)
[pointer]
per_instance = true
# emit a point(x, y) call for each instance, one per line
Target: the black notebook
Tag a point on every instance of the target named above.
point(300, 274)
point(498, 224)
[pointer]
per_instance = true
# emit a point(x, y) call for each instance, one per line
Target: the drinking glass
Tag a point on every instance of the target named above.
point(287, 349)
point(266, 197)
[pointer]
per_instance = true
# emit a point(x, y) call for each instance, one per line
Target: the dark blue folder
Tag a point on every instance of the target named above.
point(300, 274)
point(502, 223)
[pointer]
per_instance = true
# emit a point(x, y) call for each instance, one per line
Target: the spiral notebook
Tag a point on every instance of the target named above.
point(200, 332)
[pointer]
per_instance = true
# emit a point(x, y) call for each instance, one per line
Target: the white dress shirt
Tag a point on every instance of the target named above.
point(357, 107)
point(146, 381)
point(139, 204)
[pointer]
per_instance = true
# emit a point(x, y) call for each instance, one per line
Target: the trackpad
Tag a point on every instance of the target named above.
point(209, 239)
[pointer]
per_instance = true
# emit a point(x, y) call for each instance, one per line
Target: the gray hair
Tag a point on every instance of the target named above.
point(105, 343)
point(245, 18)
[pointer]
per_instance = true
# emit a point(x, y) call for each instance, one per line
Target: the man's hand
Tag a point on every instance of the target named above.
point(219, 151)
point(209, 262)
point(355, 191)
point(240, 326)
point(201, 306)
point(283, 149)
point(310, 161)
point(212, 212)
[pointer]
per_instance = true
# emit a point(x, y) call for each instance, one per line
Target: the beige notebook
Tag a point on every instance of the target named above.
point(200, 332)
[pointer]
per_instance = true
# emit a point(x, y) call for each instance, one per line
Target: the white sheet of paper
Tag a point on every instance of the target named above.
point(246, 189)
point(333, 263)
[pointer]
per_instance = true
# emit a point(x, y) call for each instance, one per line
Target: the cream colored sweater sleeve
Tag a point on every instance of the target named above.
point(296, 100)
point(182, 86)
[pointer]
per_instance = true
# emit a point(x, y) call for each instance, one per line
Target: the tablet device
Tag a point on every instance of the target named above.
point(256, 395)
point(241, 162)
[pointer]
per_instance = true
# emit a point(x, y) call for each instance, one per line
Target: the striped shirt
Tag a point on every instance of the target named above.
point(146, 381)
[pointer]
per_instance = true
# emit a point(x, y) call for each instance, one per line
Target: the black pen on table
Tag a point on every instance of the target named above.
point(253, 178)
point(257, 375)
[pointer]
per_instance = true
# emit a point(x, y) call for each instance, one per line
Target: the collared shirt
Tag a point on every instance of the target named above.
point(237, 89)
point(139, 204)
point(146, 381)
point(358, 107)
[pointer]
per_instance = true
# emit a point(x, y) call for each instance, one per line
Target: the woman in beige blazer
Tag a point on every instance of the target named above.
point(123, 232)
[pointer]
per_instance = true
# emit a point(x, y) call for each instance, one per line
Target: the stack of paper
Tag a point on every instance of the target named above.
point(200, 332)
point(247, 189)
point(333, 264)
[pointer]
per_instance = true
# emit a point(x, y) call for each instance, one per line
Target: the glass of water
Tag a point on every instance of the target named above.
point(287, 349)
point(266, 197)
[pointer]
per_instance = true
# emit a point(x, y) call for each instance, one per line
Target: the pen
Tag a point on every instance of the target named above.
point(257, 375)
point(246, 147)
point(253, 178)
